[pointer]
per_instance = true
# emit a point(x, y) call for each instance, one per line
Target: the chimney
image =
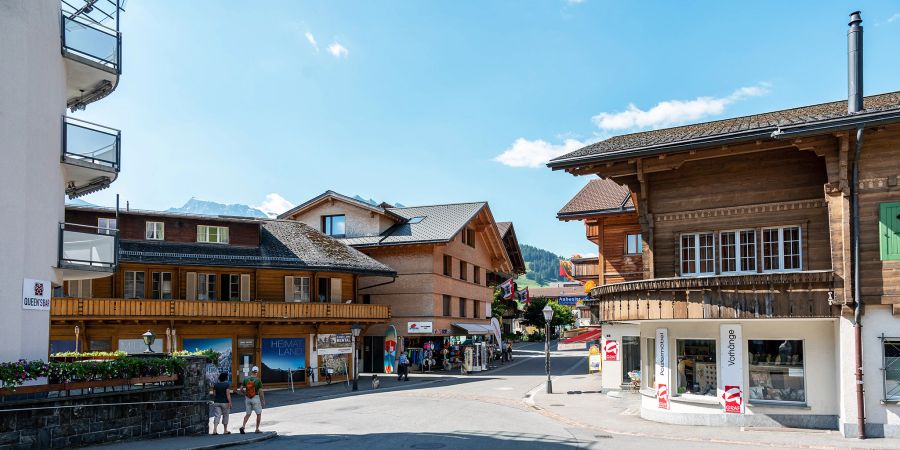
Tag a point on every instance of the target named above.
point(855, 64)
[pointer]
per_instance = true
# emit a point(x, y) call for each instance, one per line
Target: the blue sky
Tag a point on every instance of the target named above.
point(427, 102)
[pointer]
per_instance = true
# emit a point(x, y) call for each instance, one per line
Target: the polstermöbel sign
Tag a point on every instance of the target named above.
point(36, 294)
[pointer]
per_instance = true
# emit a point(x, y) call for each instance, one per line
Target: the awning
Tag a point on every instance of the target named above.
point(474, 328)
point(588, 336)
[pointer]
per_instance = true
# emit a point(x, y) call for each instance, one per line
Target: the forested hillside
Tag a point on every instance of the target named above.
point(543, 267)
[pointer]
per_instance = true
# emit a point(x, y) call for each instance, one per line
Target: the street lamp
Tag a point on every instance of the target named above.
point(149, 339)
point(355, 329)
point(548, 316)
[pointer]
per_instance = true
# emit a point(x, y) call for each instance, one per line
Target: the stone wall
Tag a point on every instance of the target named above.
point(110, 417)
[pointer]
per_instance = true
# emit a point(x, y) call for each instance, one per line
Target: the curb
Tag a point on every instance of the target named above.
point(264, 437)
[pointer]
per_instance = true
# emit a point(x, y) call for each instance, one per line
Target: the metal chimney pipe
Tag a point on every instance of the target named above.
point(855, 64)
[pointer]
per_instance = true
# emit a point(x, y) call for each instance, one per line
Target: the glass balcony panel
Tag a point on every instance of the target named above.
point(91, 143)
point(86, 247)
point(93, 42)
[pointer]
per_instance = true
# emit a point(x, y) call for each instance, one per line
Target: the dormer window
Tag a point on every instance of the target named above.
point(416, 219)
point(155, 231)
point(212, 234)
point(334, 225)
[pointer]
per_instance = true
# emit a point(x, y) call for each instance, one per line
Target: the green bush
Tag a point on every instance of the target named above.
point(210, 354)
point(88, 355)
point(13, 374)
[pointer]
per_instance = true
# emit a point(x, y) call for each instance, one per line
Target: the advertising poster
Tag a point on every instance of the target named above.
point(334, 344)
point(221, 345)
point(662, 367)
point(594, 359)
point(283, 359)
point(732, 356)
point(611, 350)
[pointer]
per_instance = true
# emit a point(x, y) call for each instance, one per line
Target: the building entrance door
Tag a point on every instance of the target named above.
point(373, 354)
point(631, 356)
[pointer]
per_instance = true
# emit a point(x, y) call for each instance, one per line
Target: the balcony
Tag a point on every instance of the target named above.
point(748, 296)
point(92, 48)
point(201, 311)
point(87, 252)
point(90, 156)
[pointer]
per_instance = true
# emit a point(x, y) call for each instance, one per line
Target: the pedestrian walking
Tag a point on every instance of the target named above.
point(254, 398)
point(403, 366)
point(221, 403)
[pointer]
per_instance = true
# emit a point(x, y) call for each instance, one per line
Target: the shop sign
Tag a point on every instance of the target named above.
point(732, 357)
point(662, 367)
point(570, 301)
point(334, 344)
point(611, 350)
point(36, 294)
point(594, 358)
point(418, 327)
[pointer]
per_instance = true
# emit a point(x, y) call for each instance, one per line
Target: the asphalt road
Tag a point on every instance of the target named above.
point(486, 411)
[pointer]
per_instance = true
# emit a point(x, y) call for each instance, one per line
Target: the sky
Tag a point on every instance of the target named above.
point(271, 103)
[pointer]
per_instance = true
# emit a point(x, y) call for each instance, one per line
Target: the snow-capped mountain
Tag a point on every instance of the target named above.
point(197, 206)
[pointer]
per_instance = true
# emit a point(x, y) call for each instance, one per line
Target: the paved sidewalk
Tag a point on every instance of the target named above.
point(191, 442)
point(576, 401)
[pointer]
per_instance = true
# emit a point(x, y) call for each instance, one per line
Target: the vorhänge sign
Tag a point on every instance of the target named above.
point(36, 294)
point(732, 357)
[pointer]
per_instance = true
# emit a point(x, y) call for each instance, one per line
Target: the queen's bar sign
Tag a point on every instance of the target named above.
point(36, 294)
point(732, 357)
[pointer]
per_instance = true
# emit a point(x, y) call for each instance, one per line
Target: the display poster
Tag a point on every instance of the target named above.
point(418, 327)
point(731, 355)
point(334, 344)
point(662, 367)
point(611, 350)
point(594, 359)
point(36, 294)
point(220, 345)
point(132, 346)
point(283, 358)
point(390, 349)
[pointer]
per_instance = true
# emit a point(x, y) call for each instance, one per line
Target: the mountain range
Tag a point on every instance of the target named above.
point(204, 207)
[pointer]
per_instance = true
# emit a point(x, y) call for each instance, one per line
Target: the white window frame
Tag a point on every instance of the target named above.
point(158, 278)
point(155, 231)
point(738, 248)
point(886, 368)
point(638, 244)
point(106, 225)
point(134, 294)
point(299, 293)
point(781, 229)
point(203, 234)
point(674, 368)
point(696, 251)
point(203, 286)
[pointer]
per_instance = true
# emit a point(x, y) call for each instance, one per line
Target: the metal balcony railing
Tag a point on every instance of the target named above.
point(85, 247)
point(90, 143)
point(86, 33)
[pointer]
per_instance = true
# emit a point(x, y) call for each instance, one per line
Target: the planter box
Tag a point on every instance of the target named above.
point(85, 385)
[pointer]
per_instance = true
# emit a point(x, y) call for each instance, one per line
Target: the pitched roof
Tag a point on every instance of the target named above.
point(511, 242)
point(757, 126)
point(503, 228)
point(438, 223)
point(599, 196)
point(356, 201)
point(283, 244)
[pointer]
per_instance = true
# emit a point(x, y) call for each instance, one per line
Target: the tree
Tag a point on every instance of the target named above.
point(499, 306)
point(534, 314)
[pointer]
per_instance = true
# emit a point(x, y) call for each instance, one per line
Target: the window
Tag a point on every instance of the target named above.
point(106, 226)
point(475, 305)
point(78, 289)
point(462, 307)
point(416, 219)
point(212, 235)
point(776, 370)
point(334, 225)
point(463, 270)
point(155, 231)
point(891, 365)
point(697, 254)
point(134, 284)
point(366, 299)
point(448, 265)
point(648, 367)
point(161, 285)
point(324, 290)
point(301, 289)
point(889, 230)
point(633, 244)
point(206, 286)
point(631, 356)
point(781, 249)
point(447, 312)
point(696, 366)
point(234, 286)
point(476, 275)
point(737, 250)
point(468, 237)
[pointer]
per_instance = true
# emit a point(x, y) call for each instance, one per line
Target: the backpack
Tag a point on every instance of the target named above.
point(250, 387)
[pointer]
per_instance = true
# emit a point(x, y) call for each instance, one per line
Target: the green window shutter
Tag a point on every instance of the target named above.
point(889, 230)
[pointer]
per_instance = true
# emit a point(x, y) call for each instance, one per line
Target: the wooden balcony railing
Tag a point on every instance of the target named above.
point(201, 310)
point(750, 296)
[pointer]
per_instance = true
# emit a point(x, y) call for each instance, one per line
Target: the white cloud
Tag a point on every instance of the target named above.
point(574, 2)
point(672, 112)
point(274, 205)
point(312, 41)
point(525, 153)
point(338, 50)
point(894, 18)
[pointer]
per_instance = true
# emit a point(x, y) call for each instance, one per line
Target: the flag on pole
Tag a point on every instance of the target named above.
point(523, 296)
point(508, 289)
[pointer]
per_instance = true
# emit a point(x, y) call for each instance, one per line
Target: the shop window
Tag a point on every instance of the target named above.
point(781, 249)
point(889, 230)
point(448, 265)
point(776, 370)
point(447, 312)
point(891, 365)
point(161, 285)
point(633, 245)
point(648, 367)
point(631, 357)
point(697, 254)
point(696, 366)
point(737, 250)
point(134, 284)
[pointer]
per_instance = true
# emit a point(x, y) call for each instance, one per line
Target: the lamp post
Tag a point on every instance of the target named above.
point(149, 339)
point(548, 316)
point(355, 329)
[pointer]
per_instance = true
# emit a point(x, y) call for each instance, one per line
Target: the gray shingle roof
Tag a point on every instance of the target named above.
point(503, 227)
point(439, 223)
point(599, 196)
point(765, 123)
point(283, 244)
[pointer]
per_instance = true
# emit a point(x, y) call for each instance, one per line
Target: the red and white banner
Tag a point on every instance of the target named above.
point(611, 350)
point(731, 355)
point(662, 395)
point(662, 367)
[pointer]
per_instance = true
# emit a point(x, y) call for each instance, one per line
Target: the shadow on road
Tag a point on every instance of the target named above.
point(449, 440)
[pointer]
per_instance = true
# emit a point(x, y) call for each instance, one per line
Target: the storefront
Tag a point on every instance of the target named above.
point(621, 355)
point(451, 347)
point(748, 373)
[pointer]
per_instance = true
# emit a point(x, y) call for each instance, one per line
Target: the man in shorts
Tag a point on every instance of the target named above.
point(254, 399)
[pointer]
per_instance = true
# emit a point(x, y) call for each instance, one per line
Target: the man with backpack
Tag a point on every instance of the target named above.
point(254, 399)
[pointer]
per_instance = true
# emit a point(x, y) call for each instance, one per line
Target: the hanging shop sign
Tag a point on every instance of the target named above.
point(594, 359)
point(334, 344)
point(419, 327)
point(662, 367)
point(611, 350)
point(36, 294)
point(731, 351)
point(570, 301)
